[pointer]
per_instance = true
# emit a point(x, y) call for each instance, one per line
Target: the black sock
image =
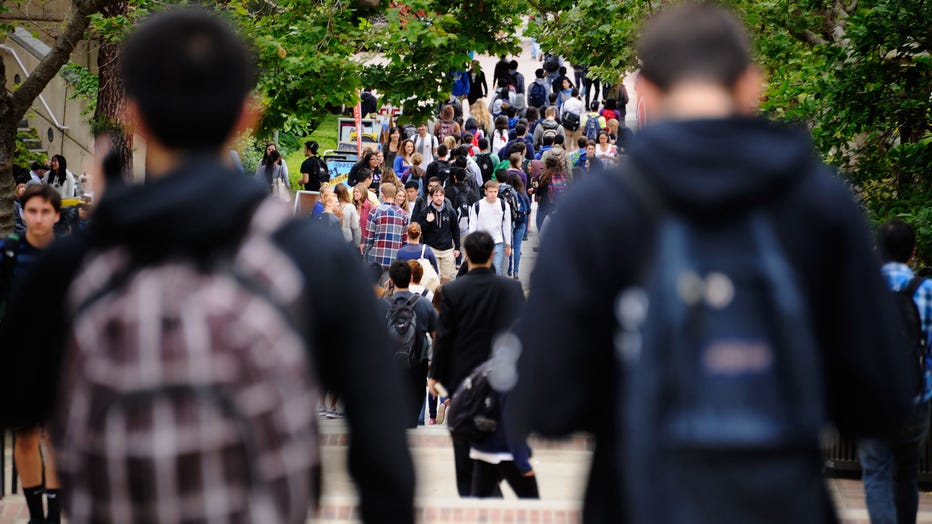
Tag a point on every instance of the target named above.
point(53, 503)
point(34, 502)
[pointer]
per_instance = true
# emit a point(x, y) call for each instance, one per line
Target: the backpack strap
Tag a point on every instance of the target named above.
point(912, 286)
point(423, 249)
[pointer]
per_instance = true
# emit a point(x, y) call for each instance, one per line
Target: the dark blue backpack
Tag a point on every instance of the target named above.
point(537, 95)
point(722, 391)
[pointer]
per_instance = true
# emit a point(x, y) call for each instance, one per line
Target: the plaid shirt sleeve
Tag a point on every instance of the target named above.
point(387, 224)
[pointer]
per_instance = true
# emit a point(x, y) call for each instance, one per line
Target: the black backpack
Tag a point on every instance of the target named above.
point(444, 173)
point(913, 329)
point(486, 166)
point(475, 407)
point(461, 202)
point(570, 121)
point(721, 373)
point(401, 320)
point(537, 95)
point(509, 195)
point(551, 63)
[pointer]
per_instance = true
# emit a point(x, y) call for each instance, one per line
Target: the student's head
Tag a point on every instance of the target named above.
point(896, 240)
point(437, 195)
point(515, 159)
point(590, 148)
point(547, 140)
point(603, 137)
point(39, 168)
point(520, 129)
point(422, 128)
point(483, 144)
point(184, 66)
point(552, 99)
point(343, 193)
point(459, 175)
point(311, 147)
point(511, 110)
point(414, 232)
point(531, 114)
point(442, 151)
point(417, 272)
point(416, 159)
point(478, 247)
point(432, 183)
point(407, 147)
point(575, 92)
point(539, 72)
point(491, 190)
point(513, 65)
point(411, 190)
point(41, 209)
point(400, 196)
point(501, 122)
point(559, 140)
point(581, 142)
point(550, 113)
point(567, 84)
point(364, 175)
point(594, 106)
point(388, 192)
point(518, 147)
point(697, 44)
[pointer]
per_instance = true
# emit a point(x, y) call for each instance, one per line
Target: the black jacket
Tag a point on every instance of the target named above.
point(474, 309)
point(442, 231)
point(601, 234)
point(174, 215)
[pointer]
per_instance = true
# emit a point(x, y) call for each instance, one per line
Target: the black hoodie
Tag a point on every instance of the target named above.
point(601, 235)
point(201, 209)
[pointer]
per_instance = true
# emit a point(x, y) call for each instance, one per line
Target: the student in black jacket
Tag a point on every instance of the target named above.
point(174, 216)
point(474, 309)
point(710, 160)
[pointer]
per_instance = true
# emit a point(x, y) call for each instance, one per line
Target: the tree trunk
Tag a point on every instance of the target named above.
point(110, 117)
point(7, 150)
point(13, 106)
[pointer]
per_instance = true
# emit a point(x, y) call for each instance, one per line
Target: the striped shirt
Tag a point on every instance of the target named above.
point(898, 276)
point(385, 233)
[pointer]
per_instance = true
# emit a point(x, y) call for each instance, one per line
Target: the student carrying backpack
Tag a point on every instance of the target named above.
point(407, 342)
point(507, 194)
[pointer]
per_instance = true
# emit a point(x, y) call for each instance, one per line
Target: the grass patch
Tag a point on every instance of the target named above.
point(325, 135)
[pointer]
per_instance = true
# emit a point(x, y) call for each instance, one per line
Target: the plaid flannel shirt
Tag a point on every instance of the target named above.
point(898, 276)
point(385, 233)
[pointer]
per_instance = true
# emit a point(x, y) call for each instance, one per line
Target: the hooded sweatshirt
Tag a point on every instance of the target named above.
point(707, 170)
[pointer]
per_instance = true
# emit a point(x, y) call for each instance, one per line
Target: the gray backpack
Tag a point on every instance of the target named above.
point(188, 394)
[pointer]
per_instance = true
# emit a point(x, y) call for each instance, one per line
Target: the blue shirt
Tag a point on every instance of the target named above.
point(898, 276)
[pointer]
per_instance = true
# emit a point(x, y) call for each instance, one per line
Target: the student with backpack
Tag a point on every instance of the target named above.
point(410, 319)
point(486, 160)
point(512, 191)
point(172, 316)
point(538, 91)
point(19, 255)
point(483, 305)
point(891, 465)
point(493, 215)
point(703, 318)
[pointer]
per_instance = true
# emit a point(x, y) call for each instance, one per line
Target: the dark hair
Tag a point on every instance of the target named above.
point(483, 143)
point(274, 156)
point(501, 122)
point(539, 72)
point(519, 146)
point(547, 140)
point(412, 184)
point(520, 129)
point(47, 193)
point(513, 64)
point(312, 146)
point(479, 247)
point(531, 114)
point(693, 41)
point(594, 106)
point(400, 274)
point(363, 173)
point(442, 151)
point(375, 272)
point(459, 175)
point(552, 97)
point(559, 140)
point(436, 188)
point(582, 141)
point(896, 240)
point(187, 65)
point(59, 173)
point(575, 91)
point(37, 165)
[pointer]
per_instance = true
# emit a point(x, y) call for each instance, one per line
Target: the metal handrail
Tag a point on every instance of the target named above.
point(45, 104)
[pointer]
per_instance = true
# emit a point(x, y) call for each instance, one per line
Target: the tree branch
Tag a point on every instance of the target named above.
point(50, 65)
point(808, 37)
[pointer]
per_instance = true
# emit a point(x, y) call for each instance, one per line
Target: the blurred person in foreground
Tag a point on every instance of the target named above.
point(183, 66)
point(707, 390)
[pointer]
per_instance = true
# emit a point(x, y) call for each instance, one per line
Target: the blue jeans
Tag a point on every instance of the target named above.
point(498, 258)
point(891, 468)
point(516, 239)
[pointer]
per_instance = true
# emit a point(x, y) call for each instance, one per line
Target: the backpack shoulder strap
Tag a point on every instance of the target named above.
point(423, 250)
point(913, 285)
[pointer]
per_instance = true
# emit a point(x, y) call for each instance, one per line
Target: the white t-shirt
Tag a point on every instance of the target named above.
point(425, 146)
